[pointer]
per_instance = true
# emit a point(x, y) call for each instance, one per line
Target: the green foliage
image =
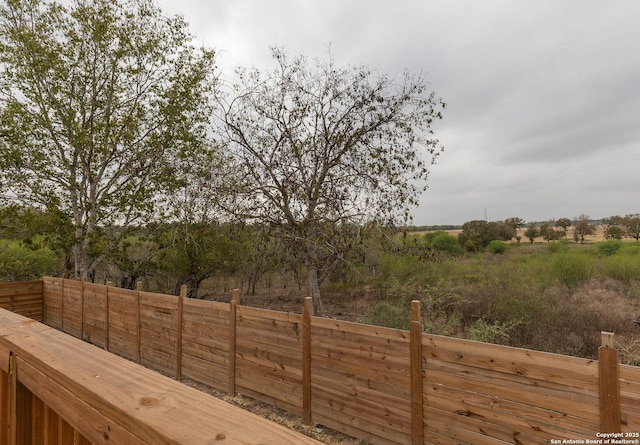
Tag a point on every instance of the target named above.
point(390, 315)
point(609, 247)
point(532, 232)
point(99, 99)
point(21, 263)
point(583, 228)
point(497, 247)
point(623, 266)
point(399, 268)
point(495, 332)
point(444, 242)
point(571, 268)
point(476, 235)
point(442, 308)
point(560, 246)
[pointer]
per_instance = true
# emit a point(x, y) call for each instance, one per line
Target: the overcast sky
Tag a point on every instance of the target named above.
point(543, 97)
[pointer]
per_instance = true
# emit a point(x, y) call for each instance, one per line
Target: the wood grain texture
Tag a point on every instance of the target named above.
point(107, 399)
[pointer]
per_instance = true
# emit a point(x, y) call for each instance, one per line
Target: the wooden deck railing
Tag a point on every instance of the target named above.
point(382, 385)
point(56, 389)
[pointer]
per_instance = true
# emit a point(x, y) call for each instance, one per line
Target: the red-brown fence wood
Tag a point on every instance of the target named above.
point(124, 323)
point(72, 307)
point(94, 319)
point(269, 357)
point(355, 378)
point(52, 299)
point(56, 389)
point(23, 298)
point(482, 393)
point(205, 342)
point(159, 319)
point(361, 381)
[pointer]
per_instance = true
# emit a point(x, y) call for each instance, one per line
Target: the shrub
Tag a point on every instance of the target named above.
point(497, 247)
point(21, 263)
point(571, 269)
point(446, 243)
point(491, 332)
point(560, 246)
point(401, 268)
point(391, 315)
point(609, 247)
point(623, 268)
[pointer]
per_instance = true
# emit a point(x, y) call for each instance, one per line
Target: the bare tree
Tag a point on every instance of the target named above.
point(320, 149)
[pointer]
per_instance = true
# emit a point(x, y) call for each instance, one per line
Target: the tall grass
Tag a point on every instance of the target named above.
point(555, 299)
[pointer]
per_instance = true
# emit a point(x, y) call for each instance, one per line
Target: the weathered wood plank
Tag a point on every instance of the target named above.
point(541, 365)
point(518, 388)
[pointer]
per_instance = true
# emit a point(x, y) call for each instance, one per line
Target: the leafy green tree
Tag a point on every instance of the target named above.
point(548, 232)
point(532, 232)
point(632, 225)
point(132, 260)
point(98, 98)
point(614, 227)
point(191, 253)
point(477, 235)
point(583, 228)
point(515, 223)
point(39, 228)
point(563, 224)
point(320, 149)
point(445, 242)
point(20, 262)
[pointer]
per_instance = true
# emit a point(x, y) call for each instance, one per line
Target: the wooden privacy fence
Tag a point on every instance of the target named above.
point(56, 389)
point(378, 384)
point(23, 298)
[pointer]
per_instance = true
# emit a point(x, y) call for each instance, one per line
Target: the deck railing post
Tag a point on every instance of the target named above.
point(608, 375)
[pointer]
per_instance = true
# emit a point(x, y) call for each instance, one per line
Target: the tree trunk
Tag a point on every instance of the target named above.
point(314, 289)
point(82, 259)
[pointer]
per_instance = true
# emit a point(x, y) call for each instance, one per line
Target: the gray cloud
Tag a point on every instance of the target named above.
point(543, 97)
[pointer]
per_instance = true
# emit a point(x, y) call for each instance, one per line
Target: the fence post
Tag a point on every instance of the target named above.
point(608, 375)
point(233, 308)
point(183, 295)
point(82, 309)
point(307, 312)
point(62, 304)
point(417, 427)
point(106, 315)
point(139, 287)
